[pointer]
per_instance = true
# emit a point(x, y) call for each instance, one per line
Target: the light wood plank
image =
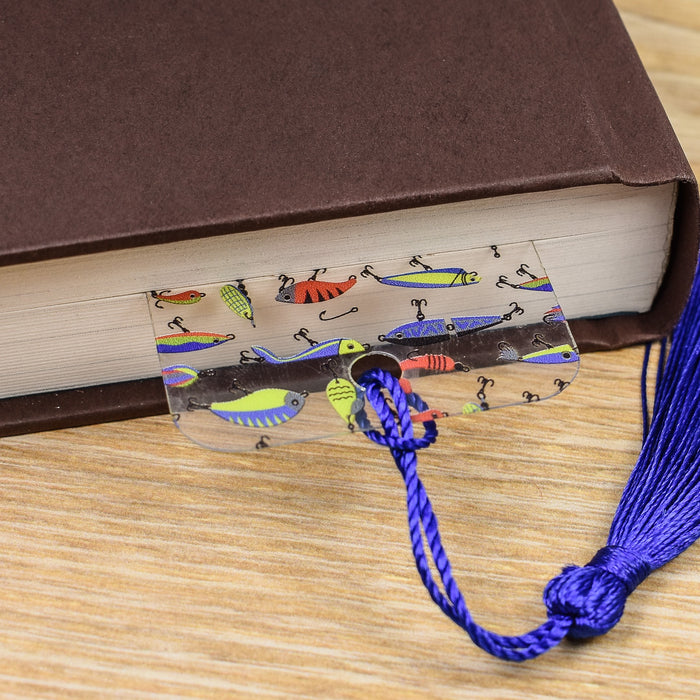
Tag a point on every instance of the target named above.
point(136, 565)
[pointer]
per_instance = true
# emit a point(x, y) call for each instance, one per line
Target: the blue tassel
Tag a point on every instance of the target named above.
point(658, 516)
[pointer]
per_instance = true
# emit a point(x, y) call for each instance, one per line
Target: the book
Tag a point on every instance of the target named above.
point(150, 149)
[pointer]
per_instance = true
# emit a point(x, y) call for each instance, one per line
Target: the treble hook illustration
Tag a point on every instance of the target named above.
point(330, 365)
point(416, 261)
point(318, 271)
point(561, 384)
point(286, 281)
point(303, 333)
point(235, 386)
point(420, 303)
point(524, 270)
point(539, 340)
point(322, 315)
point(246, 358)
point(496, 254)
point(367, 272)
point(503, 281)
point(530, 397)
point(516, 310)
point(262, 442)
point(177, 322)
point(484, 381)
point(241, 287)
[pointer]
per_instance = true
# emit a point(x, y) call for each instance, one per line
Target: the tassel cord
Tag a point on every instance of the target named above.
point(658, 516)
point(423, 525)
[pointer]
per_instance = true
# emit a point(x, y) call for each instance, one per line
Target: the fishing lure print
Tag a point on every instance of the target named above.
point(236, 298)
point(430, 414)
point(551, 355)
point(183, 375)
point(346, 398)
point(426, 279)
point(437, 330)
point(190, 341)
point(329, 348)
point(189, 297)
point(554, 315)
point(264, 408)
point(431, 363)
point(537, 284)
point(312, 291)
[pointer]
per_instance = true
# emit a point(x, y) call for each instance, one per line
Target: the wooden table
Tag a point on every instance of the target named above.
point(136, 565)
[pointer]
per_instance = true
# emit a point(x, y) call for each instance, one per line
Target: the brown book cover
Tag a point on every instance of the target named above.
point(130, 123)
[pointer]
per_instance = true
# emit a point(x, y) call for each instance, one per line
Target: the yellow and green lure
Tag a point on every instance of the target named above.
point(264, 408)
point(346, 399)
point(549, 356)
point(237, 301)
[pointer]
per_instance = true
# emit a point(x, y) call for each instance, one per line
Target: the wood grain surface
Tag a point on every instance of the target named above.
point(136, 565)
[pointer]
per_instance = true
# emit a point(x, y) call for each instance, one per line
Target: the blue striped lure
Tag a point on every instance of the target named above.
point(437, 330)
point(329, 348)
point(264, 408)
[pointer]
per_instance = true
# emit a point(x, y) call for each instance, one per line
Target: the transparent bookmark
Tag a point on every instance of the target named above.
point(260, 361)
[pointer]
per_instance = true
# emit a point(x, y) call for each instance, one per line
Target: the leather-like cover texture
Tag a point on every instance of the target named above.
point(128, 124)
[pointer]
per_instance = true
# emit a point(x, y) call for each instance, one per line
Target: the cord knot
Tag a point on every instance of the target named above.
point(593, 596)
point(398, 429)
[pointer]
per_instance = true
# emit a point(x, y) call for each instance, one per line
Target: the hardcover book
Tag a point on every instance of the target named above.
point(149, 148)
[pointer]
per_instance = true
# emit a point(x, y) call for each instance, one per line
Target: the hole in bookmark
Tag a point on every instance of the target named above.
point(265, 360)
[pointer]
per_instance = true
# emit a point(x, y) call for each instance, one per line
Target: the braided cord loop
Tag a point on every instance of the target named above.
point(581, 601)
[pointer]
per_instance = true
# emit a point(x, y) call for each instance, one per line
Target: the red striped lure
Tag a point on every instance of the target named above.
point(428, 363)
point(191, 296)
point(432, 363)
point(312, 291)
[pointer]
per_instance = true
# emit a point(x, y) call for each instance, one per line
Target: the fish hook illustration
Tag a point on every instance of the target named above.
point(177, 323)
point(235, 387)
point(537, 284)
point(416, 261)
point(303, 334)
point(485, 382)
point(530, 397)
point(539, 340)
point(189, 297)
point(322, 316)
point(420, 303)
point(561, 384)
point(247, 359)
point(515, 310)
point(263, 442)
